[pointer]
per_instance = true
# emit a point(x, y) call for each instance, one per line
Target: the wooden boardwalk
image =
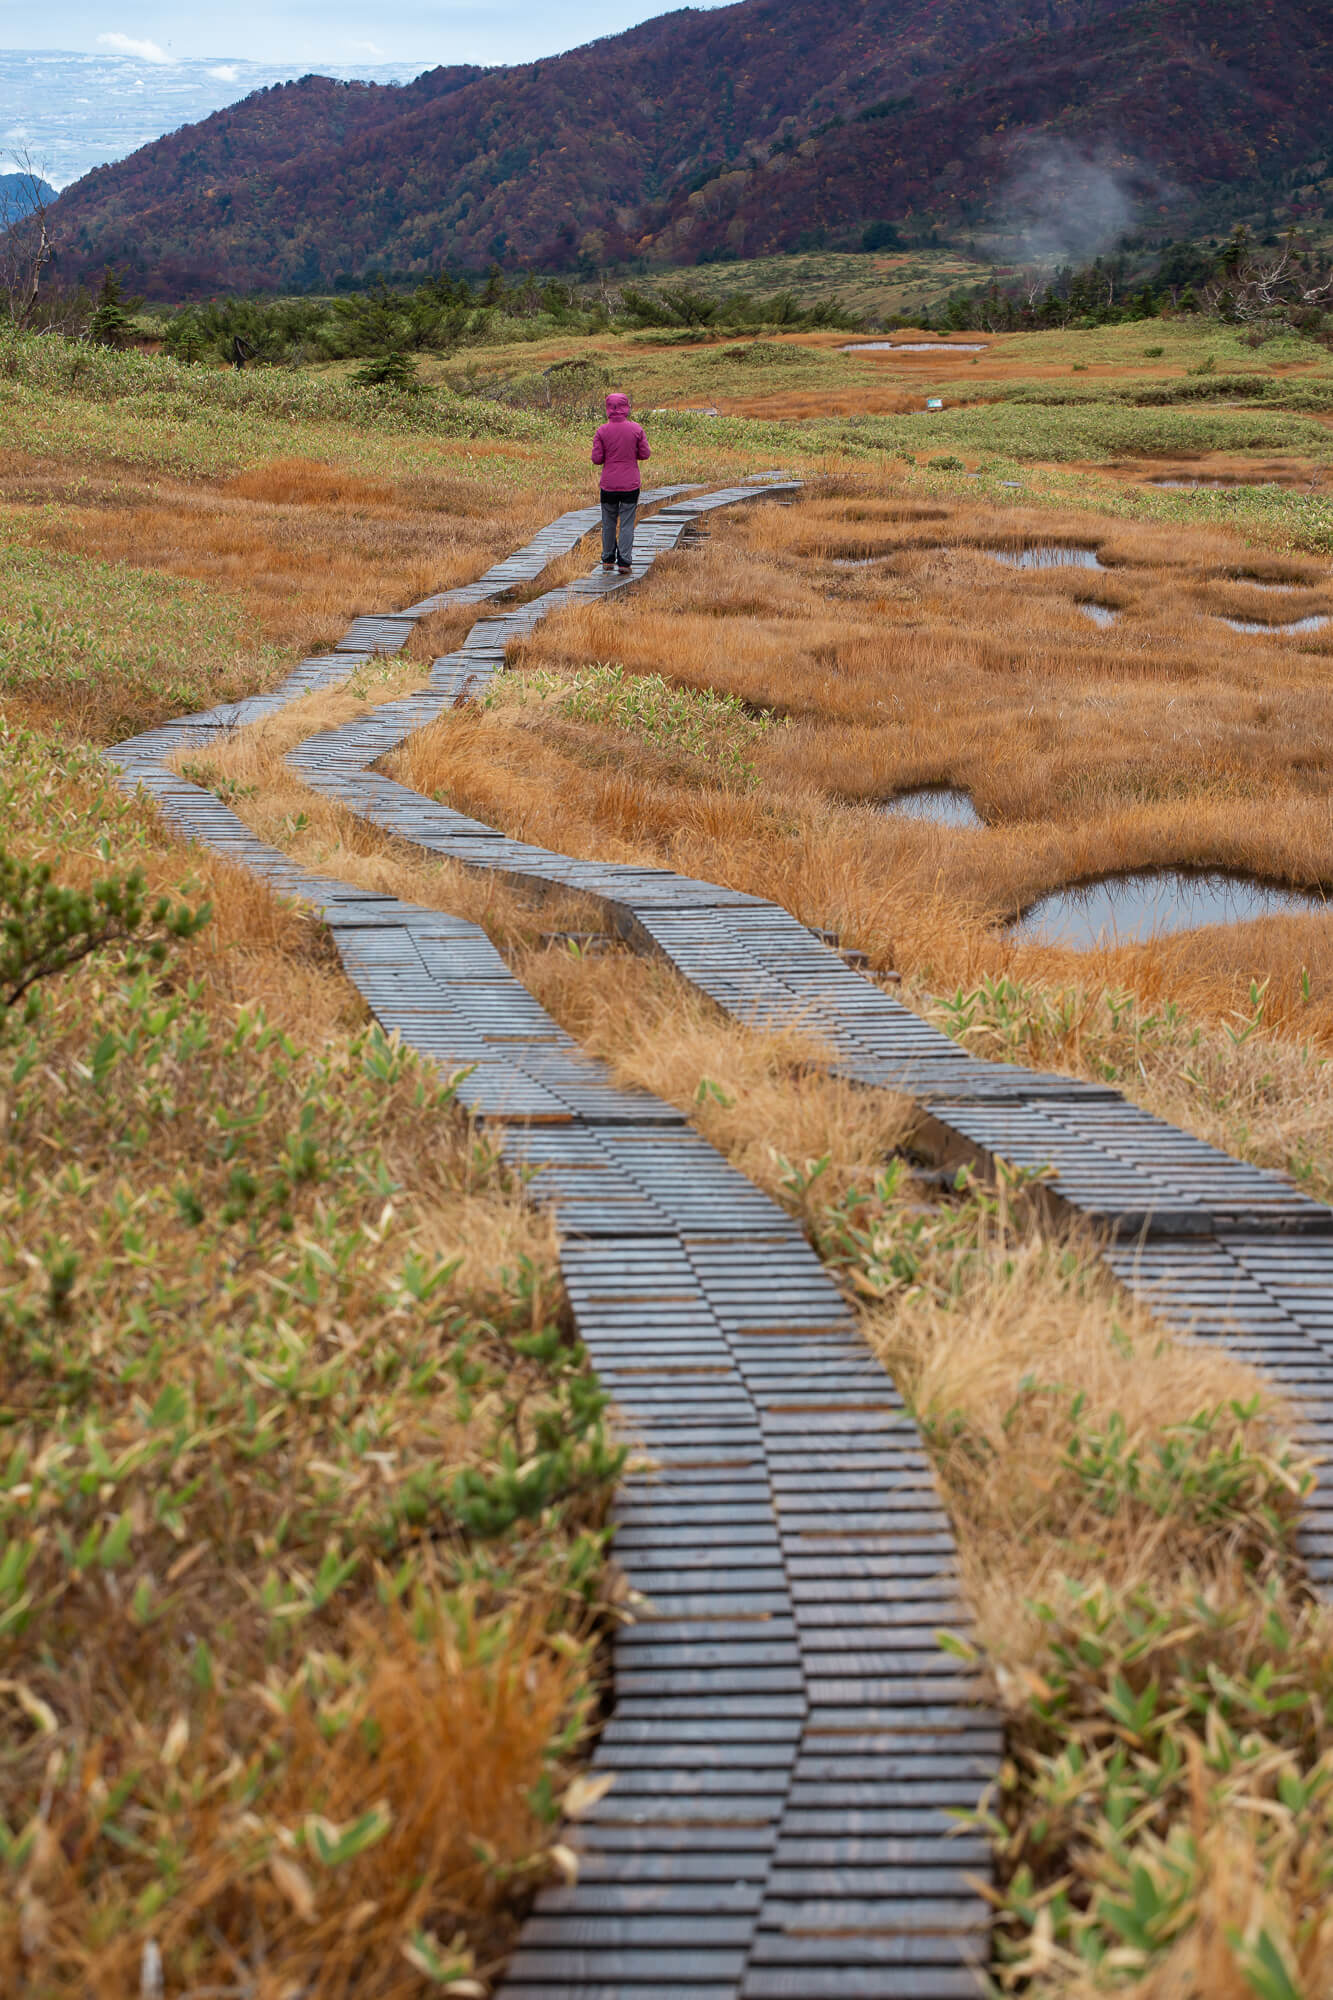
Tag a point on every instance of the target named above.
point(1226, 1251)
point(787, 1734)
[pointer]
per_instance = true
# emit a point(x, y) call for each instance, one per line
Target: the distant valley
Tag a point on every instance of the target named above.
point(76, 111)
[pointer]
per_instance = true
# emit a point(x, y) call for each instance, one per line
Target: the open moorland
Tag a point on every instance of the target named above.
point(293, 1419)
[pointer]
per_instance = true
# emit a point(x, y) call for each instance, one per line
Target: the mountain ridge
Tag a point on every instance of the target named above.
point(21, 192)
point(734, 131)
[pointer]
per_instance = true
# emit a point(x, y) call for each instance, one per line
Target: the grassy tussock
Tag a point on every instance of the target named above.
point(291, 1425)
point(1086, 759)
point(1125, 1504)
point(285, 553)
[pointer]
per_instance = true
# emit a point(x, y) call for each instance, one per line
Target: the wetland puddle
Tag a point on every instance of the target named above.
point(1155, 902)
point(916, 347)
point(1048, 557)
point(941, 805)
point(1100, 614)
point(1315, 623)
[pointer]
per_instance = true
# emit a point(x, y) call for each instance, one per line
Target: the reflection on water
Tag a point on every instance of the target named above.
point(915, 347)
point(1047, 557)
point(1100, 614)
point(1153, 902)
point(1216, 485)
point(943, 805)
point(1316, 623)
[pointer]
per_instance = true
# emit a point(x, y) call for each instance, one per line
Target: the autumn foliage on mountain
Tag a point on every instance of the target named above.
point(753, 128)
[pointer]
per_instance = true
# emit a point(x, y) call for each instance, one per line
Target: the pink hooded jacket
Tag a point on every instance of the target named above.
point(618, 447)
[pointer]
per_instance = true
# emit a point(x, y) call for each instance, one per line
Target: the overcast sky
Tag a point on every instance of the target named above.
point(308, 32)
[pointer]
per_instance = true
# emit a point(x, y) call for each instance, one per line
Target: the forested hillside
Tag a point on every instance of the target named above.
point(741, 131)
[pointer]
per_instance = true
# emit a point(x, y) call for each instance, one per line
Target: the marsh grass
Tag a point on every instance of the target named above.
point(291, 550)
point(1124, 1503)
point(293, 1426)
point(106, 648)
point(1125, 1481)
point(1169, 740)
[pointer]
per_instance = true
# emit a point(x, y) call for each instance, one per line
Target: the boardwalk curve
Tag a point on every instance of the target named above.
point(1216, 1248)
point(787, 1734)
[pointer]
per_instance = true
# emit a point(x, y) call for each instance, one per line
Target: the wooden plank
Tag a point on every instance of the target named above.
point(725, 1346)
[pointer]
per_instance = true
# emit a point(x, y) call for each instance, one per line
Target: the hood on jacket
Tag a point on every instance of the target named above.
point(617, 404)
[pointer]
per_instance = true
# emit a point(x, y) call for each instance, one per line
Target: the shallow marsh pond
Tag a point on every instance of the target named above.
point(1315, 623)
point(1155, 902)
point(942, 805)
point(1048, 557)
point(915, 347)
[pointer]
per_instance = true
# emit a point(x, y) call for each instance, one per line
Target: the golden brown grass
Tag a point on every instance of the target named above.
point(1170, 739)
point(1113, 1490)
point(263, 1300)
point(993, 1357)
point(759, 1098)
point(1124, 1505)
point(304, 546)
point(1017, 1353)
point(1225, 468)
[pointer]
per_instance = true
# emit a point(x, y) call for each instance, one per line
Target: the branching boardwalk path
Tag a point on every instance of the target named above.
point(787, 1734)
point(1217, 1248)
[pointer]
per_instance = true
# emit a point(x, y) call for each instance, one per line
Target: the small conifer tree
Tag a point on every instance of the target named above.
point(185, 338)
point(111, 324)
point(391, 368)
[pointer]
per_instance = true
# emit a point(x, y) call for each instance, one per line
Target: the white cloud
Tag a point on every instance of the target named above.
point(368, 49)
point(226, 73)
point(126, 45)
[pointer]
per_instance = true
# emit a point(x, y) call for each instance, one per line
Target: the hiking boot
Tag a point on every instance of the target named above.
point(626, 569)
point(609, 565)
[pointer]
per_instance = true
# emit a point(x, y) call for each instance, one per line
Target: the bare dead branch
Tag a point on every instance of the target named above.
point(27, 239)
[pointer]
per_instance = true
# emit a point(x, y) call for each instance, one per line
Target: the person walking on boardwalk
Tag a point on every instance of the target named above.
point(618, 448)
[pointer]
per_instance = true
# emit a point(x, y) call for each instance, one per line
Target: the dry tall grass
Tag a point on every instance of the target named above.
point(1172, 741)
point(265, 1301)
point(1121, 1498)
point(1090, 1463)
point(303, 545)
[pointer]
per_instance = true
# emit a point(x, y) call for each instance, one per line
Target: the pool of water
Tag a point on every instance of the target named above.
point(1048, 557)
point(1154, 902)
point(1316, 623)
point(942, 805)
point(916, 347)
point(1212, 485)
point(1100, 614)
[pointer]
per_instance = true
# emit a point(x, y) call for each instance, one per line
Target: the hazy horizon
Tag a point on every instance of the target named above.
point(312, 33)
point(110, 89)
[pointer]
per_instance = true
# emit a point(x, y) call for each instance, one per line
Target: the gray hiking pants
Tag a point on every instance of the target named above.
point(619, 512)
